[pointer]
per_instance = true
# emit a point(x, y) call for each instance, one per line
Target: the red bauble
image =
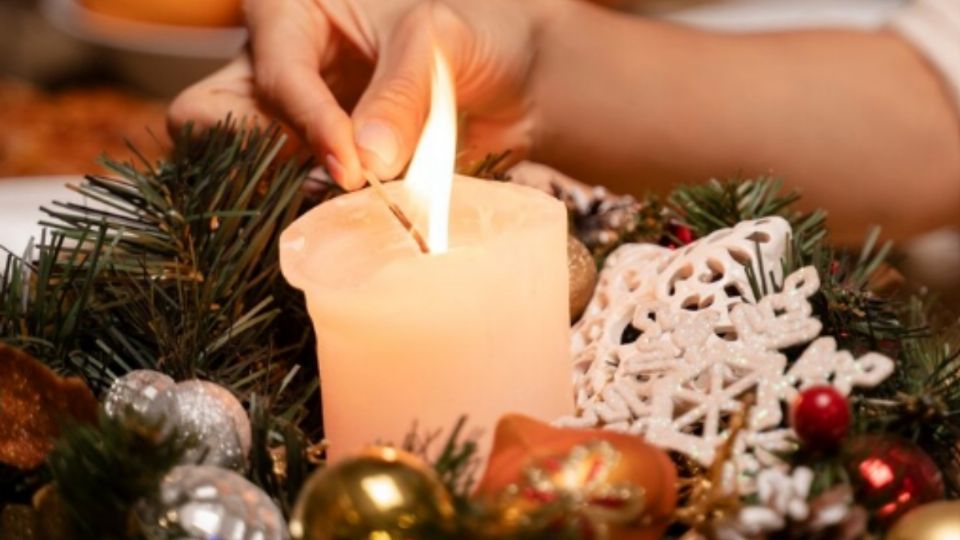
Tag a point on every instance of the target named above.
point(821, 417)
point(684, 234)
point(892, 476)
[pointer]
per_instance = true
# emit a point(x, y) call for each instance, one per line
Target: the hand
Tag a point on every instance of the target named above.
point(352, 77)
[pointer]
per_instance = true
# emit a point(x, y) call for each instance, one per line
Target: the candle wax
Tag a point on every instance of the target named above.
point(406, 339)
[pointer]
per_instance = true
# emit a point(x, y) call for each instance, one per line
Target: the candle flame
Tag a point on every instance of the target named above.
point(430, 175)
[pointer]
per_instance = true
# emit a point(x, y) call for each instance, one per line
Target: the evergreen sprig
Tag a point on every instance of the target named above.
point(102, 471)
point(921, 400)
point(173, 266)
point(717, 204)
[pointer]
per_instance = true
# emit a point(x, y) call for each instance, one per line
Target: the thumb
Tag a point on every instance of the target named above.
point(390, 115)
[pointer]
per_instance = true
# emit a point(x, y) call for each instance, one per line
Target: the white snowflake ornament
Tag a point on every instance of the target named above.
point(781, 497)
point(649, 360)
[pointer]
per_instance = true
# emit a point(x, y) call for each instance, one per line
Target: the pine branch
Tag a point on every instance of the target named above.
point(174, 267)
point(101, 472)
point(716, 205)
point(921, 400)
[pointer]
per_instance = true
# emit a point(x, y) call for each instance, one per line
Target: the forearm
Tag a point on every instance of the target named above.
point(856, 120)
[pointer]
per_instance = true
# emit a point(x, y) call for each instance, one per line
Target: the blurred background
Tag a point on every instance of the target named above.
point(78, 78)
point(81, 75)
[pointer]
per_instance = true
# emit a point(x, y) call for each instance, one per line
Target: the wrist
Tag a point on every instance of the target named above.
point(547, 16)
point(557, 31)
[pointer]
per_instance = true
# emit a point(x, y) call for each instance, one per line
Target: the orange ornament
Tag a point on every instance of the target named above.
point(172, 12)
point(617, 485)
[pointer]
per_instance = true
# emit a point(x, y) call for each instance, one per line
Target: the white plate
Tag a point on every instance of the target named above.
point(20, 202)
point(183, 41)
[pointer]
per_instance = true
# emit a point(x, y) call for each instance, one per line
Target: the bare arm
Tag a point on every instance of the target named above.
point(857, 120)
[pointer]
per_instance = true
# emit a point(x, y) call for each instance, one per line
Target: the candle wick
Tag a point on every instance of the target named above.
point(396, 211)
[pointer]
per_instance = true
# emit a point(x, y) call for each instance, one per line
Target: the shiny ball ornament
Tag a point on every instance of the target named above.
point(821, 417)
point(383, 494)
point(205, 503)
point(583, 276)
point(608, 483)
point(211, 417)
point(892, 476)
point(934, 521)
point(137, 391)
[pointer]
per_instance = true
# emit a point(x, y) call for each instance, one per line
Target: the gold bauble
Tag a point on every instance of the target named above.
point(383, 494)
point(934, 521)
point(583, 276)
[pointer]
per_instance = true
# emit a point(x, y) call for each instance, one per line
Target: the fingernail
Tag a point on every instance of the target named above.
point(335, 168)
point(379, 140)
point(316, 181)
point(318, 175)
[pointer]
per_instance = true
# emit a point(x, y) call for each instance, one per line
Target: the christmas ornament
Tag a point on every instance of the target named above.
point(33, 403)
point(820, 417)
point(615, 486)
point(383, 494)
point(892, 476)
point(136, 391)
point(673, 340)
point(583, 276)
point(680, 233)
point(204, 502)
point(782, 497)
point(212, 417)
point(933, 521)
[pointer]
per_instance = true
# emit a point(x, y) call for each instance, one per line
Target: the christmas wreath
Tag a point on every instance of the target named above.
point(736, 377)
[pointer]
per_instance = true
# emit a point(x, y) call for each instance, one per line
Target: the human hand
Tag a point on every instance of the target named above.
point(352, 77)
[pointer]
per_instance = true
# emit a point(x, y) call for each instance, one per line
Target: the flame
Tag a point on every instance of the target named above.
point(430, 175)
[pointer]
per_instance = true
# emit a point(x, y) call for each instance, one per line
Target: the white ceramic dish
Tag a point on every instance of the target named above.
point(180, 41)
point(20, 202)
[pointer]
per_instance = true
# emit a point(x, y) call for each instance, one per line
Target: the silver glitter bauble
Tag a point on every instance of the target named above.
point(138, 391)
point(204, 502)
point(214, 419)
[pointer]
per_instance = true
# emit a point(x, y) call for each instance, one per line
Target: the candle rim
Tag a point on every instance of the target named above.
point(294, 248)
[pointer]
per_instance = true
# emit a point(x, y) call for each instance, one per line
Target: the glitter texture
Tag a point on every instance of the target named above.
point(204, 502)
point(650, 360)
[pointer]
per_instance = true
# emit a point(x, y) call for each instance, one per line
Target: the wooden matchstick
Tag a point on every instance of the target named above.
point(397, 212)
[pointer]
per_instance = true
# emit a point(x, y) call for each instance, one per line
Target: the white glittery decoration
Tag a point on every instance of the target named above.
point(650, 361)
point(781, 497)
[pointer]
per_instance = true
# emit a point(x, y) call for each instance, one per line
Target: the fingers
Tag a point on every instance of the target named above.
point(287, 40)
point(229, 91)
point(390, 114)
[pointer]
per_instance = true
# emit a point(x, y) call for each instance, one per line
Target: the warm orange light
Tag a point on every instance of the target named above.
point(430, 176)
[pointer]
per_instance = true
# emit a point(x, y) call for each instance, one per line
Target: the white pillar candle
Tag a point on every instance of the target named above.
point(405, 337)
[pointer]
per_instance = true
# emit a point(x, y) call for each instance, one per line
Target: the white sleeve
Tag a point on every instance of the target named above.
point(933, 27)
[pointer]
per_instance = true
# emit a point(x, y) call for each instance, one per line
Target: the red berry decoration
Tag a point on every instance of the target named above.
point(892, 476)
point(684, 234)
point(821, 417)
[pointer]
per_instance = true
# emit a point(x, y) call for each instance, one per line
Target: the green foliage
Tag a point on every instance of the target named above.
point(101, 471)
point(846, 304)
point(173, 266)
point(921, 400)
point(717, 204)
point(44, 301)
